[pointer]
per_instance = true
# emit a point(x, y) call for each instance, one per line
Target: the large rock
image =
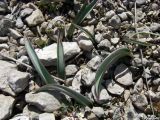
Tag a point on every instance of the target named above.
point(12, 81)
point(47, 116)
point(5, 68)
point(35, 18)
point(123, 75)
point(44, 101)
point(6, 106)
point(18, 81)
point(48, 55)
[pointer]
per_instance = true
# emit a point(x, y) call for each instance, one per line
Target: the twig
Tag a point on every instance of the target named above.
point(141, 54)
point(28, 66)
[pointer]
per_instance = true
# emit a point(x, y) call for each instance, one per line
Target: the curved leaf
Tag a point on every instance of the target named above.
point(84, 11)
point(60, 58)
point(77, 96)
point(107, 63)
point(44, 74)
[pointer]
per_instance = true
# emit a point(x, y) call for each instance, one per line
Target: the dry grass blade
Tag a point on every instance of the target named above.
point(85, 10)
point(106, 64)
point(77, 96)
point(44, 74)
point(60, 57)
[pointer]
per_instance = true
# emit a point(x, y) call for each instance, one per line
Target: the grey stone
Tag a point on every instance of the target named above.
point(138, 86)
point(23, 59)
point(104, 44)
point(154, 6)
point(103, 95)
point(115, 21)
point(123, 75)
point(15, 34)
point(114, 88)
point(98, 111)
point(48, 55)
point(6, 106)
point(35, 18)
point(5, 24)
point(26, 12)
point(86, 45)
point(123, 16)
point(4, 46)
point(139, 101)
point(18, 81)
point(156, 81)
point(47, 116)
point(140, 15)
point(32, 112)
point(71, 70)
point(19, 23)
point(98, 37)
point(109, 14)
point(3, 7)
point(5, 68)
point(88, 76)
point(44, 101)
point(76, 83)
point(94, 62)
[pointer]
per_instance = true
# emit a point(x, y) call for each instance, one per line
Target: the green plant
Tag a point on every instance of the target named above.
point(51, 83)
point(84, 11)
point(106, 64)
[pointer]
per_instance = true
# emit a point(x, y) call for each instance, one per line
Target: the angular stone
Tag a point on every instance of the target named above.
point(94, 62)
point(6, 106)
point(26, 12)
point(15, 34)
point(44, 101)
point(86, 45)
point(18, 81)
point(35, 18)
point(115, 21)
point(138, 86)
point(123, 75)
point(48, 55)
point(114, 88)
point(71, 70)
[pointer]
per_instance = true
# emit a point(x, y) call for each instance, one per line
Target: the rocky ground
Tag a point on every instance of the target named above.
point(131, 90)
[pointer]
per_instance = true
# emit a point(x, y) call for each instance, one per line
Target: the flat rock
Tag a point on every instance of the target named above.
point(44, 101)
point(35, 18)
point(114, 88)
point(6, 106)
point(18, 81)
point(48, 55)
point(123, 75)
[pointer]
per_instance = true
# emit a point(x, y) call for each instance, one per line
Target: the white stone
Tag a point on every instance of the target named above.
point(86, 45)
point(35, 18)
point(47, 116)
point(48, 55)
point(94, 62)
point(15, 34)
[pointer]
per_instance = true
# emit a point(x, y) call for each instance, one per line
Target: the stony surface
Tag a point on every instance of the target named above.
point(6, 106)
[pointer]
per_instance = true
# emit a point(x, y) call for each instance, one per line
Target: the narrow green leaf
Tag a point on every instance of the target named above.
point(148, 33)
point(86, 32)
point(129, 40)
point(60, 57)
point(106, 64)
point(65, 90)
point(44, 74)
point(84, 11)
